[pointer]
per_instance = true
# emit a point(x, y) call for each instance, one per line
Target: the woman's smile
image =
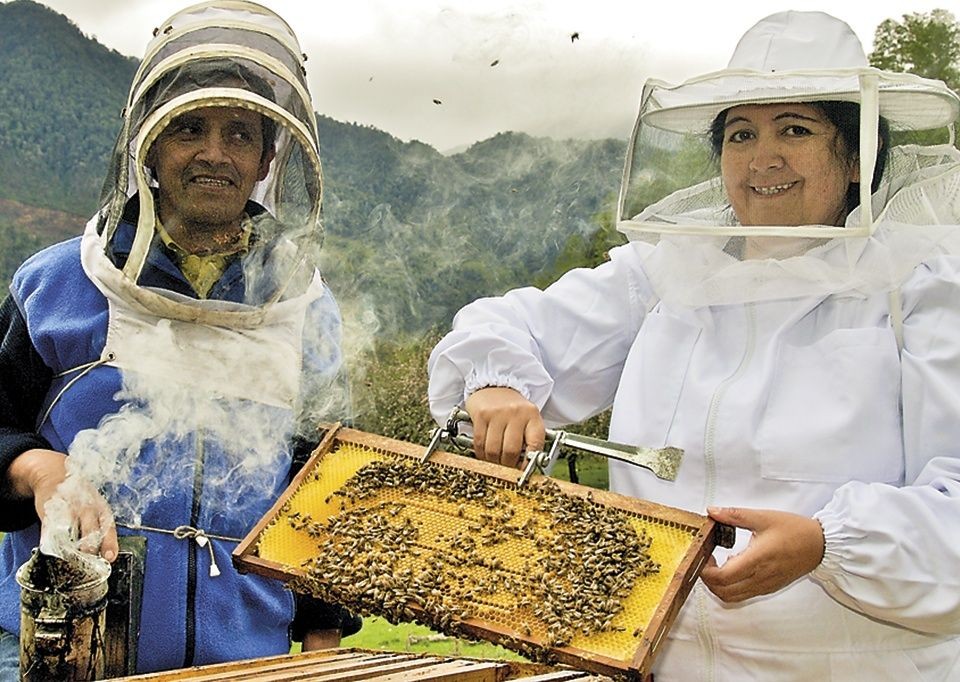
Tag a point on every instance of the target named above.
point(774, 189)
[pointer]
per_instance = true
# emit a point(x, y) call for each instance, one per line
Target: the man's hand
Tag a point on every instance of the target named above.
point(321, 639)
point(784, 548)
point(39, 474)
point(504, 425)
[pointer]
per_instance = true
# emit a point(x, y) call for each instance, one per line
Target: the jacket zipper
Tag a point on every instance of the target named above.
point(707, 638)
point(190, 644)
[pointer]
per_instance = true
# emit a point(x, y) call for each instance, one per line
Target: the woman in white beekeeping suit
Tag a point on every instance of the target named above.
point(793, 323)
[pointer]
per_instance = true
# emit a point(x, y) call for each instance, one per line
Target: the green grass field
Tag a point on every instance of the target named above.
point(379, 635)
point(591, 469)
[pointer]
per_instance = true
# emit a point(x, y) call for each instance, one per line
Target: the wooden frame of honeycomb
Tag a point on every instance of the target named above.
point(556, 571)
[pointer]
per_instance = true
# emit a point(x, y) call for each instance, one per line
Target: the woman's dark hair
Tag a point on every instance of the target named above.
point(846, 117)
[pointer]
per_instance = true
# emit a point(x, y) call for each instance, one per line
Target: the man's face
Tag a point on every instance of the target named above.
point(206, 163)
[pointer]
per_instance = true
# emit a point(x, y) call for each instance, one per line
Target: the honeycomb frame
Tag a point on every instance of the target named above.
point(284, 545)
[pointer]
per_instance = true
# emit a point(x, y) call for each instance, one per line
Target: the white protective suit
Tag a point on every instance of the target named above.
point(844, 406)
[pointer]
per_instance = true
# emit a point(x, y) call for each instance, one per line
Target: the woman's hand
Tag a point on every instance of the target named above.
point(504, 425)
point(783, 548)
point(40, 474)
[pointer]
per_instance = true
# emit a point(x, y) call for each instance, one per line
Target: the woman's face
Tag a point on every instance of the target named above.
point(784, 164)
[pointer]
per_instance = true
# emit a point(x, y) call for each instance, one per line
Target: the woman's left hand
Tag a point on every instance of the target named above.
point(783, 548)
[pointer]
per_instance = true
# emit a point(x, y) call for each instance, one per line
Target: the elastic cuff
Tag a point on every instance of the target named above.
point(835, 536)
point(476, 381)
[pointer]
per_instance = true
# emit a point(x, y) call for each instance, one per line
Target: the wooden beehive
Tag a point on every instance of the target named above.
point(346, 665)
point(556, 571)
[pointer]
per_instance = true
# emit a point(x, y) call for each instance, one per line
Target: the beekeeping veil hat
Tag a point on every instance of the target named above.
point(226, 54)
point(671, 187)
point(800, 57)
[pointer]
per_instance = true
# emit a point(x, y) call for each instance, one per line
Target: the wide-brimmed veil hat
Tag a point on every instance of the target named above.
point(673, 195)
point(798, 57)
point(785, 57)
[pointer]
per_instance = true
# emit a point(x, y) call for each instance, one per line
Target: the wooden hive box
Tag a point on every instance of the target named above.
point(353, 665)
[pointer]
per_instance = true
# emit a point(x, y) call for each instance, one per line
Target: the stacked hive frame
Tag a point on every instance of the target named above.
point(350, 665)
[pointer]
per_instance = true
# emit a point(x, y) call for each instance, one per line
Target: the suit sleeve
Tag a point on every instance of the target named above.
point(24, 382)
point(562, 348)
point(892, 551)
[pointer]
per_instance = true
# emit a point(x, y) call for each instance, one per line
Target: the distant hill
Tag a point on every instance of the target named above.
point(411, 234)
point(424, 233)
point(60, 100)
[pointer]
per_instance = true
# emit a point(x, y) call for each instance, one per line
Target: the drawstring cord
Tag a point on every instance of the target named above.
point(198, 535)
point(85, 369)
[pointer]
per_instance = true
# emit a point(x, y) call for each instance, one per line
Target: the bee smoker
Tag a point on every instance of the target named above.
point(62, 618)
point(79, 619)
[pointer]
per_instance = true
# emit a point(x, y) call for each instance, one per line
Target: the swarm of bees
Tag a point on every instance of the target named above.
point(551, 566)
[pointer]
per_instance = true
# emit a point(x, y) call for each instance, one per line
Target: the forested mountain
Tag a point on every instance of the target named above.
point(423, 233)
point(60, 101)
point(411, 232)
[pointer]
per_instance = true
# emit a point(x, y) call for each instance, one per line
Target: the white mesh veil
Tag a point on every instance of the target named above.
point(672, 194)
point(223, 54)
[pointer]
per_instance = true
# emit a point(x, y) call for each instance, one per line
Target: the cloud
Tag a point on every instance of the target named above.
point(383, 63)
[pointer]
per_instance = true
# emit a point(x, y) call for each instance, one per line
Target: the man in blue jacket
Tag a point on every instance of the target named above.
point(159, 375)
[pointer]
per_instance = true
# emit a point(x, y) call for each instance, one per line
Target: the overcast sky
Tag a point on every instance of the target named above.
point(383, 62)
